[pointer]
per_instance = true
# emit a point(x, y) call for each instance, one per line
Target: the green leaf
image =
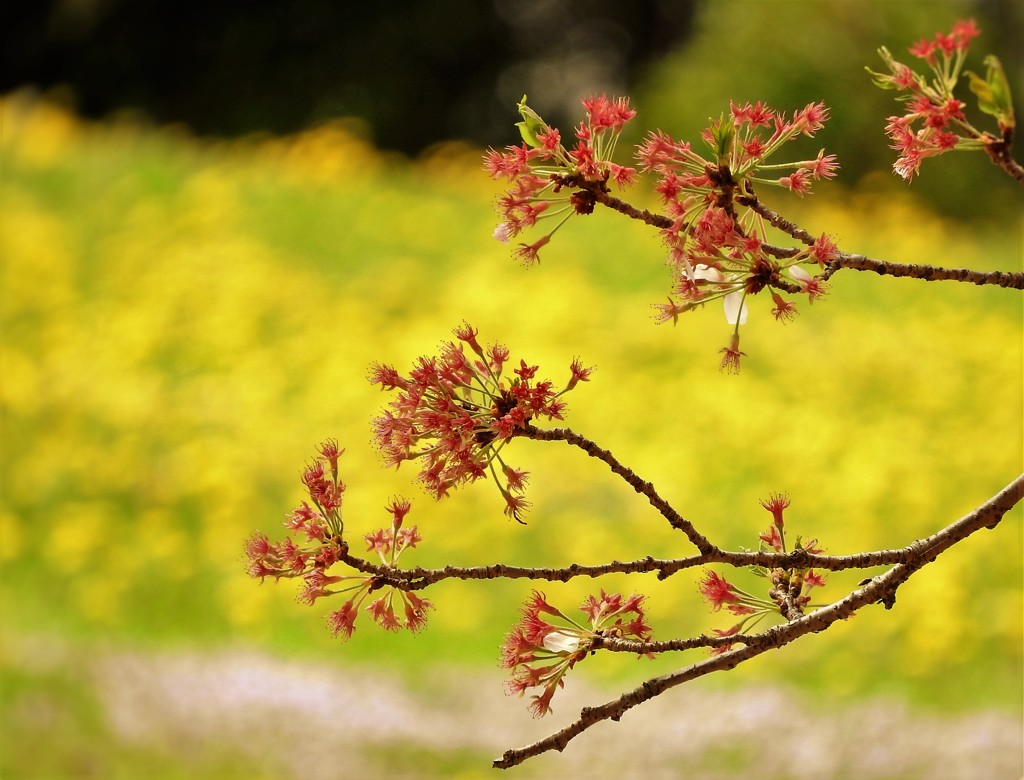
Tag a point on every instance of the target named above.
point(723, 134)
point(531, 125)
point(993, 92)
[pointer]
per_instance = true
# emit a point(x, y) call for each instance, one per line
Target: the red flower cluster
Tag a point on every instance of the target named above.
point(322, 548)
point(540, 167)
point(389, 543)
point(789, 591)
point(957, 42)
point(715, 248)
point(718, 256)
point(740, 146)
point(321, 526)
point(456, 412)
point(934, 121)
point(540, 653)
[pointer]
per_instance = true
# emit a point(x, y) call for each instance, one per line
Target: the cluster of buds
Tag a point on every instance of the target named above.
point(716, 246)
point(540, 653)
point(789, 589)
point(322, 547)
point(934, 122)
point(542, 169)
point(456, 412)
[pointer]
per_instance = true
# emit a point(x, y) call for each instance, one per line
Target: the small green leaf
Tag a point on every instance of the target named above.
point(531, 125)
point(993, 92)
point(723, 134)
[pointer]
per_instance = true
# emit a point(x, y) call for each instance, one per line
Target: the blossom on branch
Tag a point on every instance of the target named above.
point(540, 168)
point(456, 412)
point(934, 121)
point(716, 244)
point(788, 588)
point(323, 547)
point(540, 652)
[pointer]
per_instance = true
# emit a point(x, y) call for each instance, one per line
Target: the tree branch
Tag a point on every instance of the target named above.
point(646, 489)
point(881, 589)
point(417, 578)
point(928, 273)
point(1000, 154)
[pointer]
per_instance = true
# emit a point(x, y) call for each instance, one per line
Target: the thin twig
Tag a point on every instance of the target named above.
point(646, 489)
point(417, 578)
point(928, 273)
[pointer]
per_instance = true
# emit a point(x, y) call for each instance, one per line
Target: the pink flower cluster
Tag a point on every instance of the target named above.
point(789, 591)
point(322, 547)
point(456, 412)
point(934, 121)
point(540, 168)
point(540, 653)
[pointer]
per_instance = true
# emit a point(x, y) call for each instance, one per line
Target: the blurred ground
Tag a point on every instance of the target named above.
point(274, 717)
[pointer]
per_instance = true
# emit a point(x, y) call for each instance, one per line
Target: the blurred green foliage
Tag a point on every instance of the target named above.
point(183, 322)
point(789, 53)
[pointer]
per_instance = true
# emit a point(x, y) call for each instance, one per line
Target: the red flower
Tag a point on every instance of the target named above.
point(343, 620)
point(963, 32)
point(731, 360)
point(528, 252)
point(415, 611)
point(383, 613)
point(783, 309)
point(330, 452)
point(813, 579)
point(810, 119)
point(773, 538)
point(812, 285)
point(725, 647)
point(717, 590)
point(398, 508)
point(776, 503)
point(824, 250)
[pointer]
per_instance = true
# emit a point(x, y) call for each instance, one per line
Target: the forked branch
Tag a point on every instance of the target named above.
point(881, 589)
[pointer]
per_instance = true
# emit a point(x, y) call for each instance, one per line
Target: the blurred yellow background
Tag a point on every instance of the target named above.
point(184, 321)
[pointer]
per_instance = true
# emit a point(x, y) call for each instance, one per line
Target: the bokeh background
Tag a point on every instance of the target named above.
point(214, 221)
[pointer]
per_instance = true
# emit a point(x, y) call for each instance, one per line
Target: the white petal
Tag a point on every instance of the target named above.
point(735, 308)
point(501, 233)
point(708, 273)
point(561, 642)
point(799, 274)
